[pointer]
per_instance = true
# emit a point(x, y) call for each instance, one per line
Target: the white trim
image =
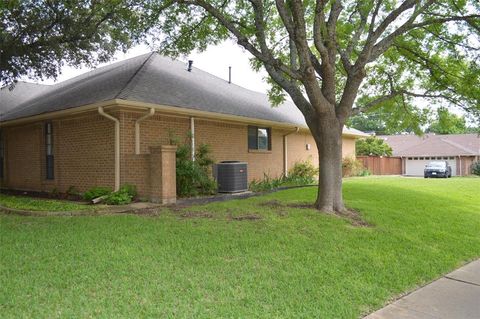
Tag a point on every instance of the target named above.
point(117, 145)
point(192, 136)
point(137, 129)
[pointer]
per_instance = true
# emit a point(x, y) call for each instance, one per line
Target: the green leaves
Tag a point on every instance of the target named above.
point(39, 37)
point(373, 146)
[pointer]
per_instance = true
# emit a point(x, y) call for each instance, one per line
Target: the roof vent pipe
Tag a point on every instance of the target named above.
point(229, 74)
point(190, 63)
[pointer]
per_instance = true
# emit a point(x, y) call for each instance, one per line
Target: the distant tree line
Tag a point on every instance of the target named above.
point(443, 122)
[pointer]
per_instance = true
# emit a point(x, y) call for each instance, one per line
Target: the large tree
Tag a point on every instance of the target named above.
point(448, 123)
point(336, 58)
point(38, 37)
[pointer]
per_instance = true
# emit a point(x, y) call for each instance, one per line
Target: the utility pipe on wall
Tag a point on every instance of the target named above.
point(192, 133)
point(117, 145)
point(285, 150)
point(137, 129)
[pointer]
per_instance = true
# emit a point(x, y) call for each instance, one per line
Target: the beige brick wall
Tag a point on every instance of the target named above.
point(297, 149)
point(84, 149)
point(23, 157)
point(154, 131)
point(83, 154)
point(348, 147)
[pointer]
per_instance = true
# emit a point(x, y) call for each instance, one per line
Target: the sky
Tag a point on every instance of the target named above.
point(215, 60)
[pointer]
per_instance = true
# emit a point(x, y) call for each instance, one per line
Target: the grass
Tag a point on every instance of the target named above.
point(291, 263)
point(40, 204)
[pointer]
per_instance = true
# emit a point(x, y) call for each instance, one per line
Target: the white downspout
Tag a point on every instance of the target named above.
point(117, 146)
point(137, 129)
point(192, 132)
point(285, 151)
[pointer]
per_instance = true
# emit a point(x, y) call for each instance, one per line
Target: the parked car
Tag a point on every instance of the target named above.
point(437, 169)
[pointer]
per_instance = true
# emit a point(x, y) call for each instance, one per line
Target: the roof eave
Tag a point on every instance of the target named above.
point(175, 110)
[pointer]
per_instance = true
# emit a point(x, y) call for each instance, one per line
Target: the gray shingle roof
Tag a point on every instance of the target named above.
point(156, 79)
point(11, 97)
point(434, 145)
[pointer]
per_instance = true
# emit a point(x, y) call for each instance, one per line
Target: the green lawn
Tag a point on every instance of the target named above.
point(204, 262)
point(40, 204)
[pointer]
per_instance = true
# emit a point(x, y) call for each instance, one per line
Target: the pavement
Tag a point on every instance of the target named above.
point(456, 295)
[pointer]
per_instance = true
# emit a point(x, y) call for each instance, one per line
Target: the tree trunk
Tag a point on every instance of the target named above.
point(328, 136)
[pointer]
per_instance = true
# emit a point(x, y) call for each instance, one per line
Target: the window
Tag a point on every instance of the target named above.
point(2, 153)
point(49, 150)
point(259, 138)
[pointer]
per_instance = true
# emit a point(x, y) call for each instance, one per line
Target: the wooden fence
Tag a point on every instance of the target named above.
point(379, 165)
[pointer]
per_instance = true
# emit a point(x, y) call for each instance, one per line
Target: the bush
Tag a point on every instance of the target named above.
point(372, 146)
point(476, 168)
point(129, 189)
point(194, 177)
point(353, 167)
point(123, 196)
point(302, 173)
point(96, 192)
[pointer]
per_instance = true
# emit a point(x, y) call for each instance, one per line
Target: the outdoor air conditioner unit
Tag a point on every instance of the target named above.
point(231, 176)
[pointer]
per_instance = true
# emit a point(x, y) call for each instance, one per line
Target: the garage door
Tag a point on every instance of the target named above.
point(414, 165)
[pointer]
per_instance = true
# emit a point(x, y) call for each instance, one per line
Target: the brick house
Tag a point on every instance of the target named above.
point(459, 150)
point(112, 126)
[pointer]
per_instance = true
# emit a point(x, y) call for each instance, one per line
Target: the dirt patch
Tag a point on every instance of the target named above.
point(302, 206)
point(197, 215)
point(145, 212)
point(354, 218)
point(246, 217)
point(276, 205)
point(272, 204)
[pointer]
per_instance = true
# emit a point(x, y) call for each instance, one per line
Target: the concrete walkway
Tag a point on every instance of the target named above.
point(456, 295)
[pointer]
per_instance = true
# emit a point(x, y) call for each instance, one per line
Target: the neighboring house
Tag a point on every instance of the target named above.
point(460, 150)
point(105, 127)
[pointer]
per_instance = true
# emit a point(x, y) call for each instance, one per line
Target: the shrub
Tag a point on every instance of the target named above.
point(118, 198)
point(123, 196)
point(302, 173)
point(476, 168)
point(193, 177)
point(372, 146)
point(130, 189)
point(96, 192)
point(353, 167)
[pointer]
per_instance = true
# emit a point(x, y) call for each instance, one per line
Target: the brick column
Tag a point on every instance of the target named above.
point(163, 187)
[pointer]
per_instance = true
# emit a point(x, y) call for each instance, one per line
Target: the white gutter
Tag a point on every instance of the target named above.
point(285, 150)
point(192, 136)
point(137, 129)
point(117, 146)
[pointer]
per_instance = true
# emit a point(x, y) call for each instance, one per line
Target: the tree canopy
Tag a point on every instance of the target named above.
point(337, 58)
point(334, 58)
point(372, 146)
point(38, 37)
point(448, 123)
